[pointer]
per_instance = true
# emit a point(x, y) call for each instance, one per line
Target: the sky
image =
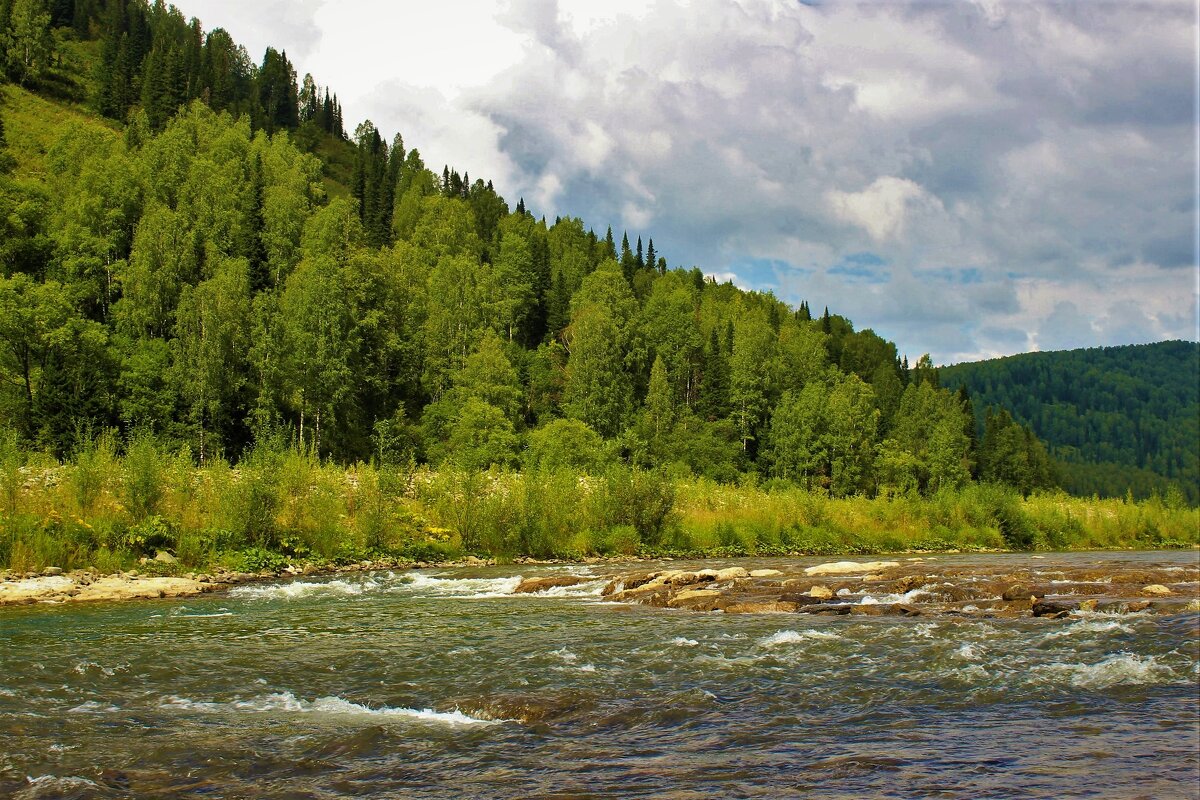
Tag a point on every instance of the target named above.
point(968, 179)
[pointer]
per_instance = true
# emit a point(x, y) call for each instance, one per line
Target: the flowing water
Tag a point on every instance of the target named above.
point(444, 684)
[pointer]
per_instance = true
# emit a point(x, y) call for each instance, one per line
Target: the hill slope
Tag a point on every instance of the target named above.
point(1118, 418)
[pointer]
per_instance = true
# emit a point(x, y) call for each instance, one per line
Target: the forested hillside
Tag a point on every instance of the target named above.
point(180, 262)
point(1118, 418)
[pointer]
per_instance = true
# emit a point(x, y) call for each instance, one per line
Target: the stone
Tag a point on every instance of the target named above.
point(682, 579)
point(764, 573)
point(850, 567)
point(820, 592)
point(1054, 609)
point(691, 594)
point(1156, 589)
point(535, 585)
point(163, 557)
point(1016, 592)
point(731, 573)
point(777, 607)
point(799, 599)
point(52, 571)
point(910, 582)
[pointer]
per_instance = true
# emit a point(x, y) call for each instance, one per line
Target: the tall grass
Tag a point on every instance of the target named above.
point(109, 507)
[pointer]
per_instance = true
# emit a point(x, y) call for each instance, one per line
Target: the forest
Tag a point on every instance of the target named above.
point(1117, 419)
point(195, 259)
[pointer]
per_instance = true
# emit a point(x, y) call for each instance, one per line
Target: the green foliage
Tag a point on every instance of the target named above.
point(565, 444)
point(144, 484)
point(1116, 418)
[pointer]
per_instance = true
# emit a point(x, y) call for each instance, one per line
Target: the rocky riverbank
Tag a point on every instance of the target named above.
point(912, 587)
point(54, 585)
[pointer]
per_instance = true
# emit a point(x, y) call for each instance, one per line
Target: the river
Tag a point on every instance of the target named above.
point(441, 683)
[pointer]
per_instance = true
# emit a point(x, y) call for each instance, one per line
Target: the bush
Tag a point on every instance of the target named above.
point(143, 476)
point(95, 464)
point(151, 534)
point(641, 499)
point(258, 559)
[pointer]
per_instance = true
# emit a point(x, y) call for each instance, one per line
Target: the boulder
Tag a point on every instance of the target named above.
point(850, 567)
point(534, 585)
point(1054, 609)
point(163, 557)
point(691, 594)
point(820, 592)
point(777, 607)
point(1156, 589)
point(764, 573)
point(799, 599)
point(686, 579)
point(910, 582)
point(1016, 592)
point(695, 599)
point(731, 573)
point(52, 571)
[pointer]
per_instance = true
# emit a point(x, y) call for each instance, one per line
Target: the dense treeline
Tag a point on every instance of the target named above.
point(1118, 419)
point(152, 58)
point(192, 279)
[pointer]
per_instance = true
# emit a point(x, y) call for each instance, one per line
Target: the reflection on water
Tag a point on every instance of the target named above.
point(446, 684)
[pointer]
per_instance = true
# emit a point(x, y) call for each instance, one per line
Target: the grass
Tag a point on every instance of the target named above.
point(107, 510)
point(33, 125)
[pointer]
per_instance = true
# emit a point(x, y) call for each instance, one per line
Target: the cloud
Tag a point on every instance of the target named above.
point(1024, 171)
point(882, 208)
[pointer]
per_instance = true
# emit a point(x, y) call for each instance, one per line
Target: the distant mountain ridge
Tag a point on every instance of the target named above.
point(1118, 419)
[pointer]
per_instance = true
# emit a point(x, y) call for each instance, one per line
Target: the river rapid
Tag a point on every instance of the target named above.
point(442, 683)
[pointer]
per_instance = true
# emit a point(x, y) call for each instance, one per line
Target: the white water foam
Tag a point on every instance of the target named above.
point(92, 707)
point(1122, 669)
point(795, 637)
point(907, 597)
point(298, 589)
point(53, 786)
point(1090, 626)
point(967, 652)
point(84, 666)
point(680, 641)
point(458, 588)
point(286, 702)
point(565, 654)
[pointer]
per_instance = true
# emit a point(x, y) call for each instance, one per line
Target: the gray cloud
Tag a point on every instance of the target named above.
point(1041, 146)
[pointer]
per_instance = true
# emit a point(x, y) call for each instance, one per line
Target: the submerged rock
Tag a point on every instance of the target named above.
point(731, 573)
point(1054, 609)
point(1016, 592)
point(850, 567)
point(534, 585)
point(777, 607)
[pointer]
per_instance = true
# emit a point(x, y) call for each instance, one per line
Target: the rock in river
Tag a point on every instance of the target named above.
point(850, 567)
point(533, 585)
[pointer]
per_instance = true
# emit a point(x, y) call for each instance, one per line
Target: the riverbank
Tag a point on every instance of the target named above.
point(264, 516)
point(901, 584)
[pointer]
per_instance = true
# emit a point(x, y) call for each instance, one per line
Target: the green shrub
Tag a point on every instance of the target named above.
point(258, 559)
point(95, 464)
point(144, 485)
point(644, 500)
point(148, 535)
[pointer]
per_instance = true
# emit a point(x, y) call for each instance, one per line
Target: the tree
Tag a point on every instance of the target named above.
point(28, 44)
point(598, 390)
point(210, 364)
point(754, 346)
